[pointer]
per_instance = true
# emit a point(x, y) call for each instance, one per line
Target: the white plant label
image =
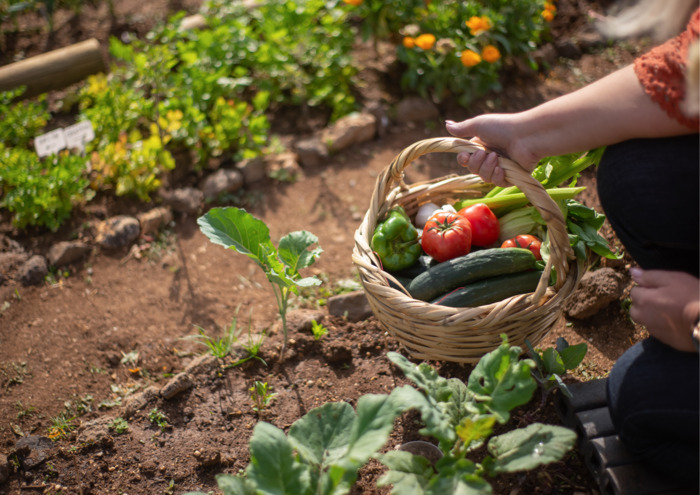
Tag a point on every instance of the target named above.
point(77, 135)
point(50, 143)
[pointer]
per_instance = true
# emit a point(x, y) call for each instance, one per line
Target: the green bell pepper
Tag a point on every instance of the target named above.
point(395, 240)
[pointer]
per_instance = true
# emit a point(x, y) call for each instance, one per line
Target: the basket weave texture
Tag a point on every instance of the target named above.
point(434, 332)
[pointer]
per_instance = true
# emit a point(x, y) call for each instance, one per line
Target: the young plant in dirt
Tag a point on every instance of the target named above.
point(552, 363)
point(262, 395)
point(325, 448)
point(221, 347)
point(462, 416)
point(235, 228)
point(318, 330)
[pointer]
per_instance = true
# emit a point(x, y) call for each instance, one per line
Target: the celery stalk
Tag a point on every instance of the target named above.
point(519, 198)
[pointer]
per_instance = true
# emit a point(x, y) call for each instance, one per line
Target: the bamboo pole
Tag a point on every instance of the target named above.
point(55, 69)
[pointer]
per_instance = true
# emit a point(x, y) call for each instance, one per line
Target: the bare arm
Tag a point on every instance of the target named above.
point(608, 111)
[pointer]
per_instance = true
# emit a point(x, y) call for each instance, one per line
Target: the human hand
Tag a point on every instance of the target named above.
point(496, 132)
point(667, 303)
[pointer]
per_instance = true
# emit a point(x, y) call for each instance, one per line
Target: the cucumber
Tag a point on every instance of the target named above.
point(491, 290)
point(469, 268)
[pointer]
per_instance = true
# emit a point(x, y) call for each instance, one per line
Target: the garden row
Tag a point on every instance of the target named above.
point(208, 94)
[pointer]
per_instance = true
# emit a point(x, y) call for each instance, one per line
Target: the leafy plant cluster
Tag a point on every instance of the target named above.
point(325, 449)
point(456, 48)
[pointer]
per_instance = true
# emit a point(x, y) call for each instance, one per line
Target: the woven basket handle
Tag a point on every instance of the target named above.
point(560, 249)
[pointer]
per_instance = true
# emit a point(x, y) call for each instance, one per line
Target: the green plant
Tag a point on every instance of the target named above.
point(21, 122)
point(158, 418)
point(24, 411)
point(318, 330)
point(236, 229)
point(119, 425)
point(41, 193)
point(552, 363)
point(219, 348)
point(61, 425)
point(326, 447)
point(261, 395)
point(252, 348)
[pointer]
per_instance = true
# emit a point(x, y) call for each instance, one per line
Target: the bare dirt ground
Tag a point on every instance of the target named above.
point(85, 343)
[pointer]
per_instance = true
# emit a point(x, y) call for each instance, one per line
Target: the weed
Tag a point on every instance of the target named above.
point(262, 395)
point(119, 425)
point(318, 330)
point(61, 426)
point(24, 411)
point(158, 418)
point(219, 348)
point(252, 349)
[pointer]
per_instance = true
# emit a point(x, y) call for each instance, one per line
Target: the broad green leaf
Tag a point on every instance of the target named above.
point(323, 434)
point(407, 472)
point(529, 447)
point(501, 381)
point(475, 430)
point(294, 250)
point(235, 228)
point(234, 485)
point(457, 476)
point(553, 362)
point(374, 422)
point(423, 375)
point(272, 466)
point(573, 355)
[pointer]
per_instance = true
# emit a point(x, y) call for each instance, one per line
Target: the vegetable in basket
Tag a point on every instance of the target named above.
point(526, 241)
point(485, 226)
point(395, 240)
point(447, 235)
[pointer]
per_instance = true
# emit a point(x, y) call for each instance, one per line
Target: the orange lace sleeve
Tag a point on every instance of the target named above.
point(661, 72)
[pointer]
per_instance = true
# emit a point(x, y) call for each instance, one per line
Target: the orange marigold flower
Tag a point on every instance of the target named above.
point(354, 3)
point(478, 25)
point(470, 58)
point(547, 15)
point(409, 42)
point(425, 41)
point(491, 54)
point(550, 7)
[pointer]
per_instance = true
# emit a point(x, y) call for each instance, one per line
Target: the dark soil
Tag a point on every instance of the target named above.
point(112, 327)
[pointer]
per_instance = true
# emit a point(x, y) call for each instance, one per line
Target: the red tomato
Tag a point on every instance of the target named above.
point(485, 227)
point(447, 235)
point(525, 241)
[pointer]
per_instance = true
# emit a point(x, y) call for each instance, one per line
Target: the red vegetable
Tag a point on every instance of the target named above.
point(485, 227)
point(526, 241)
point(447, 235)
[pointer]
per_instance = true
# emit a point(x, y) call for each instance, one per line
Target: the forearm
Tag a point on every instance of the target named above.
point(610, 110)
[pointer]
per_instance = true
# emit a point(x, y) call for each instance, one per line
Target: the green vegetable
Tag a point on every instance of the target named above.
point(395, 240)
point(517, 199)
point(524, 220)
point(491, 290)
point(477, 265)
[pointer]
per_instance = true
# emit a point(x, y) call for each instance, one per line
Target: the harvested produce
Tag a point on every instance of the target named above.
point(485, 226)
point(447, 235)
point(526, 241)
point(479, 265)
point(491, 290)
point(395, 240)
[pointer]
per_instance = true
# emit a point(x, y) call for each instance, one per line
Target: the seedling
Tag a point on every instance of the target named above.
point(61, 426)
point(24, 411)
point(119, 425)
point(552, 363)
point(252, 349)
point(236, 229)
point(158, 418)
point(318, 330)
point(219, 348)
point(262, 395)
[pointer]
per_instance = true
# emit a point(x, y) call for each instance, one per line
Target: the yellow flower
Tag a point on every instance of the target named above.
point(491, 54)
point(478, 25)
point(470, 58)
point(409, 42)
point(425, 41)
point(354, 3)
point(547, 15)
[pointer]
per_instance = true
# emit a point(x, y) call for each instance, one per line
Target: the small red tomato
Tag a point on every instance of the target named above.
point(526, 241)
point(446, 235)
point(485, 227)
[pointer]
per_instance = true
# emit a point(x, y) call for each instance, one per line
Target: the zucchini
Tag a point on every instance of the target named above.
point(477, 265)
point(491, 290)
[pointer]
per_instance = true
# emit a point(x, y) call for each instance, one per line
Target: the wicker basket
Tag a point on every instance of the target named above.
point(464, 335)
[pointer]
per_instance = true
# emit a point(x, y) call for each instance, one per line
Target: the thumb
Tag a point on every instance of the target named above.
point(466, 128)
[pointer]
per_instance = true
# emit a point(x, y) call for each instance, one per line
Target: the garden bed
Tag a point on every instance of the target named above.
point(103, 338)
